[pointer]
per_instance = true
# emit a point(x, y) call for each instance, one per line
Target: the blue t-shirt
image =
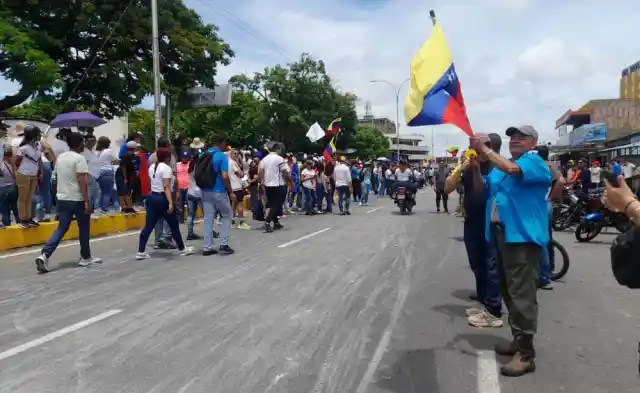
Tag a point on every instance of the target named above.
point(521, 201)
point(355, 173)
point(220, 164)
point(616, 169)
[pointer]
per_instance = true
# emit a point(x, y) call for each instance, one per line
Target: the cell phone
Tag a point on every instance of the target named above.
point(611, 178)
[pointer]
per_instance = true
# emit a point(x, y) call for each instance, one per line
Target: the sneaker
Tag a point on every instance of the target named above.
point(165, 245)
point(348, 213)
point(226, 250)
point(244, 225)
point(278, 226)
point(187, 251)
point(89, 261)
point(193, 236)
point(547, 287)
point(206, 253)
point(142, 255)
point(485, 319)
point(46, 218)
point(33, 223)
point(42, 263)
point(473, 311)
point(25, 225)
point(267, 228)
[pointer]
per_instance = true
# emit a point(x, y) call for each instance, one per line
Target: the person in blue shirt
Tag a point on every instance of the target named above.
point(517, 219)
point(616, 168)
point(217, 199)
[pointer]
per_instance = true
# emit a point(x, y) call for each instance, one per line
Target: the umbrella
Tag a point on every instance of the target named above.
point(382, 159)
point(77, 119)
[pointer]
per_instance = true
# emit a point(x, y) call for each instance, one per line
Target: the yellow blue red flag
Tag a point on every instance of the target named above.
point(330, 150)
point(435, 95)
point(335, 127)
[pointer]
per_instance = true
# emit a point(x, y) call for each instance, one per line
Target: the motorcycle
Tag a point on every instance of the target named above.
point(405, 200)
point(593, 223)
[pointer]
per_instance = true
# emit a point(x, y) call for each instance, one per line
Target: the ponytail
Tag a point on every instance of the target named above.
point(155, 169)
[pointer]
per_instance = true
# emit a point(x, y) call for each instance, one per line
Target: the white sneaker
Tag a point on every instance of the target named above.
point(42, 263)
point(473, 311)
point(89, 261)
point(485, 319)
point(187, 251)
point(142, 255)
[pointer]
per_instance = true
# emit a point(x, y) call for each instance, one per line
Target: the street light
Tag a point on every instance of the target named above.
point(397, 92)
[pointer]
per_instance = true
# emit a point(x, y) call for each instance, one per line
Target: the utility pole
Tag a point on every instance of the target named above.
point(157, 103)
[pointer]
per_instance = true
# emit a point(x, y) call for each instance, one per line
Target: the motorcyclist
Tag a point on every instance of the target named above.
point(404, 178)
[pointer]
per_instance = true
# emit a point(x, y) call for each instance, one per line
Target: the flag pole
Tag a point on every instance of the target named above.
point(432, 14)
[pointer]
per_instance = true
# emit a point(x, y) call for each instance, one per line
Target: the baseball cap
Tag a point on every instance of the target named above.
point(132, 145)
point(526, 130)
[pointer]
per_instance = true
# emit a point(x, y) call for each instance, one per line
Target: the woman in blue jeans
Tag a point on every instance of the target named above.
point(8, 189)
point(107, 158)
point(160, 205)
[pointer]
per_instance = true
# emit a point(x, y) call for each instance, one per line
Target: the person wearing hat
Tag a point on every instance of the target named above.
point(517, 220)
point(197, 147)
point(595, 172)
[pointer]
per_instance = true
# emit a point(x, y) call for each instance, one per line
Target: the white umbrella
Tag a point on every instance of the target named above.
point(382, 159)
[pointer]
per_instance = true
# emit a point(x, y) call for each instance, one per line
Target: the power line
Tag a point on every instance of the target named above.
point(86, 70)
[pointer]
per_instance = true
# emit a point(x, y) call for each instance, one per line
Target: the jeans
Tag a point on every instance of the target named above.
point(319, 196)
point(212, 202)
point(383, 187)
point(482, 260)
point(274, 204)
point(192, 208)
point(309, 199)
point(441, 195)
point(106, 182)
point(157, 211)
point(44, 193)
point(8, 204)
point(329, 197)
point(94, 192)
point(162, 230)
point(366, 189)
point(344, 195)
point(182, 204)
point(356, 190)
point(67, 210)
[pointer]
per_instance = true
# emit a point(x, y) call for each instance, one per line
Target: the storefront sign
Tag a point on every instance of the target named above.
point(588, 133)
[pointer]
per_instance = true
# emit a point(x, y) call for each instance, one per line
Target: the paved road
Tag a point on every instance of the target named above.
point(374, 304)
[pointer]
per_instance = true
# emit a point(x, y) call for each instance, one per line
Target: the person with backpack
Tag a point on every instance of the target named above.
point(212, 176)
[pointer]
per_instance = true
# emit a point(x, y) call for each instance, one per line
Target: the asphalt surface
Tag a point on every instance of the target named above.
point(374, 304)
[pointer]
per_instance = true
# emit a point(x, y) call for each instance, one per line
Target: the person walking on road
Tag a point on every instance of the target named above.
point(218, 199)
point(161, 204)
point(273, 175)
point(440, 176)
point(163, 230)
point(71, 172)
point(342, 175)
point(521, 233)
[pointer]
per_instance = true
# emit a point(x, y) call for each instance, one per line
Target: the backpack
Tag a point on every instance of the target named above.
point(203, 173)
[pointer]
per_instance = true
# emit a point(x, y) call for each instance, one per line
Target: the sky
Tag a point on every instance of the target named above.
point(519, 61)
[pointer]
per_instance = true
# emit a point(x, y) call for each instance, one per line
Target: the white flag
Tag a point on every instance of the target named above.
point(315, 132)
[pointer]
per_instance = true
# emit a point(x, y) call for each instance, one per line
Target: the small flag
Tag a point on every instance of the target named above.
point(435, 95)
point(453, 151)
point(330, 150)
point(335, 127)
point(315, 132)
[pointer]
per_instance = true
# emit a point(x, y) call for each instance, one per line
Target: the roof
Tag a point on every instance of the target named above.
point(570, 115)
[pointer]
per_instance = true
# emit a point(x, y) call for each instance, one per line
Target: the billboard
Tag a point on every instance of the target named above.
point(630, 82)
point(588, 134)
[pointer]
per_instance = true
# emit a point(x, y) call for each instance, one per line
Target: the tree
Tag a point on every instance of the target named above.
point(370, 143)
point(40, 108)
point(45, 46)
point(297, 95)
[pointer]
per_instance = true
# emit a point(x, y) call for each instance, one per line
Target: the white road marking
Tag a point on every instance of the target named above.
point(305, 237)
point(488, 381)
point(72, 242)
point(59, 333)
point(374, 210)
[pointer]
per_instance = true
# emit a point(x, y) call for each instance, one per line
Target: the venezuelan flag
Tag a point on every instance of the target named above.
point(335, 127)
point(330, 150)
point(435, 96)
point(453, 151)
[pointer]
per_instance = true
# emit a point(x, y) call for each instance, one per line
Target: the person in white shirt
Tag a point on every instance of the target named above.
point(235, 177)
point(106, 178)
point(627, 170)
point(29, 172)
point(272, 176)
point(71, 171)
point(308, 178)
point(595, 170)
point(342, 176)
point(194, 200)
point(94, 169)
point(160, 204)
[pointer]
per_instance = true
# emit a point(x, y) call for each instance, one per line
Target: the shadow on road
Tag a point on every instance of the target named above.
point(414, 371)
point(462, 294)
point(451, 310)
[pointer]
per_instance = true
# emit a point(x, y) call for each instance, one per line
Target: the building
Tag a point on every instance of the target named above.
point(630, 82)
point(411, 147)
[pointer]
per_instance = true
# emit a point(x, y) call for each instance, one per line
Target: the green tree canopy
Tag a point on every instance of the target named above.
point(370, 143)
point(297, 95)
point(45, 46)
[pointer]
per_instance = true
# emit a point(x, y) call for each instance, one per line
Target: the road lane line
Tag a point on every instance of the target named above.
point(73, 242)
point(59, 333)
point(305, 237)
point(488, 381)
point(374, 210)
